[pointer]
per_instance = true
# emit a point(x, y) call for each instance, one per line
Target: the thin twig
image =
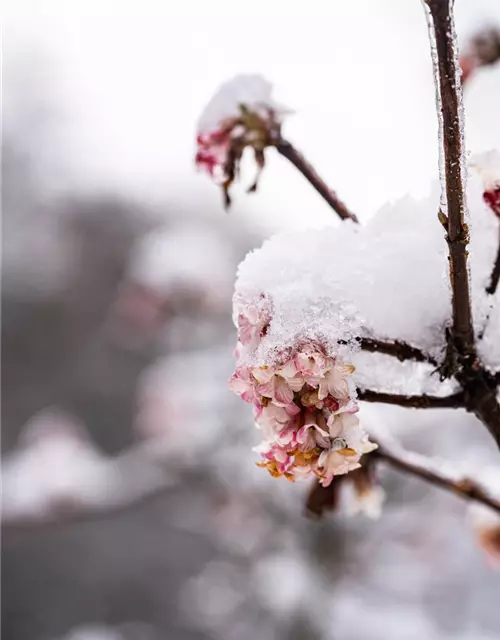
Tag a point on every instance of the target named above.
point(495, 274)
point(288, 151)
point(400, 350)
point(449, 93)
point(454, 401)
point(323, 499)
point(418, 465)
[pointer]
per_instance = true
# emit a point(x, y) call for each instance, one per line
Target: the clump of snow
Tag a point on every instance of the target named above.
point(387, 280)
point(252, 90)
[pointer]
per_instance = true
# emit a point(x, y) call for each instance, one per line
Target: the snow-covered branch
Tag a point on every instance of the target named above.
point(398, 349)
point(454, 401)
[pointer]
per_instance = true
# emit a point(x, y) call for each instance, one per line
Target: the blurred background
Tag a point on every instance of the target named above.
point(132, 509)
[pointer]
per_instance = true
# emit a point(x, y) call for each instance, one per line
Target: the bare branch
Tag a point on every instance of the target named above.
point(400, 350)
point(449, 93)
point(454, 401)
point(288, 151)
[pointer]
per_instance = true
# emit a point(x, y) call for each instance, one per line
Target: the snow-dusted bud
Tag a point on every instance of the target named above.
point(241, 114)
point(482, 50)
point(487, 165)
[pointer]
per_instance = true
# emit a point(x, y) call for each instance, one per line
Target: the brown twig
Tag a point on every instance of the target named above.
point(323, 499)
point(288, 151)
point(417, 465)
point(400, 350)
point(448, 90)
point(454, 401)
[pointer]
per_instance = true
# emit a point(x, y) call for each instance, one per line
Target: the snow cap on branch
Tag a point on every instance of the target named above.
point(241, 114)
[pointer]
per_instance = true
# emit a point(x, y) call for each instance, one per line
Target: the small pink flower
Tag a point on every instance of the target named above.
point(241, 383)
point(335, 382)
point(252, 324)
point(313, 435)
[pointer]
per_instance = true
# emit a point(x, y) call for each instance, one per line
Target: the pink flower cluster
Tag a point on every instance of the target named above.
point(305, 405)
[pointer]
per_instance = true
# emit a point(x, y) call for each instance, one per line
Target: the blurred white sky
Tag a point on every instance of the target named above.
point(128, 79)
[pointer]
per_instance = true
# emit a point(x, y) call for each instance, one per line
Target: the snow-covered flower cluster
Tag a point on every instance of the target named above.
point(304, 403)
point(303, 301)
point(241, 114)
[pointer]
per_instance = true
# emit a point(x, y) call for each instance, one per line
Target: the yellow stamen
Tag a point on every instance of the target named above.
point(348, 452)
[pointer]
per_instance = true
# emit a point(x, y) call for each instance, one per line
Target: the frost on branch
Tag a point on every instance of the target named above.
point(242, 114)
